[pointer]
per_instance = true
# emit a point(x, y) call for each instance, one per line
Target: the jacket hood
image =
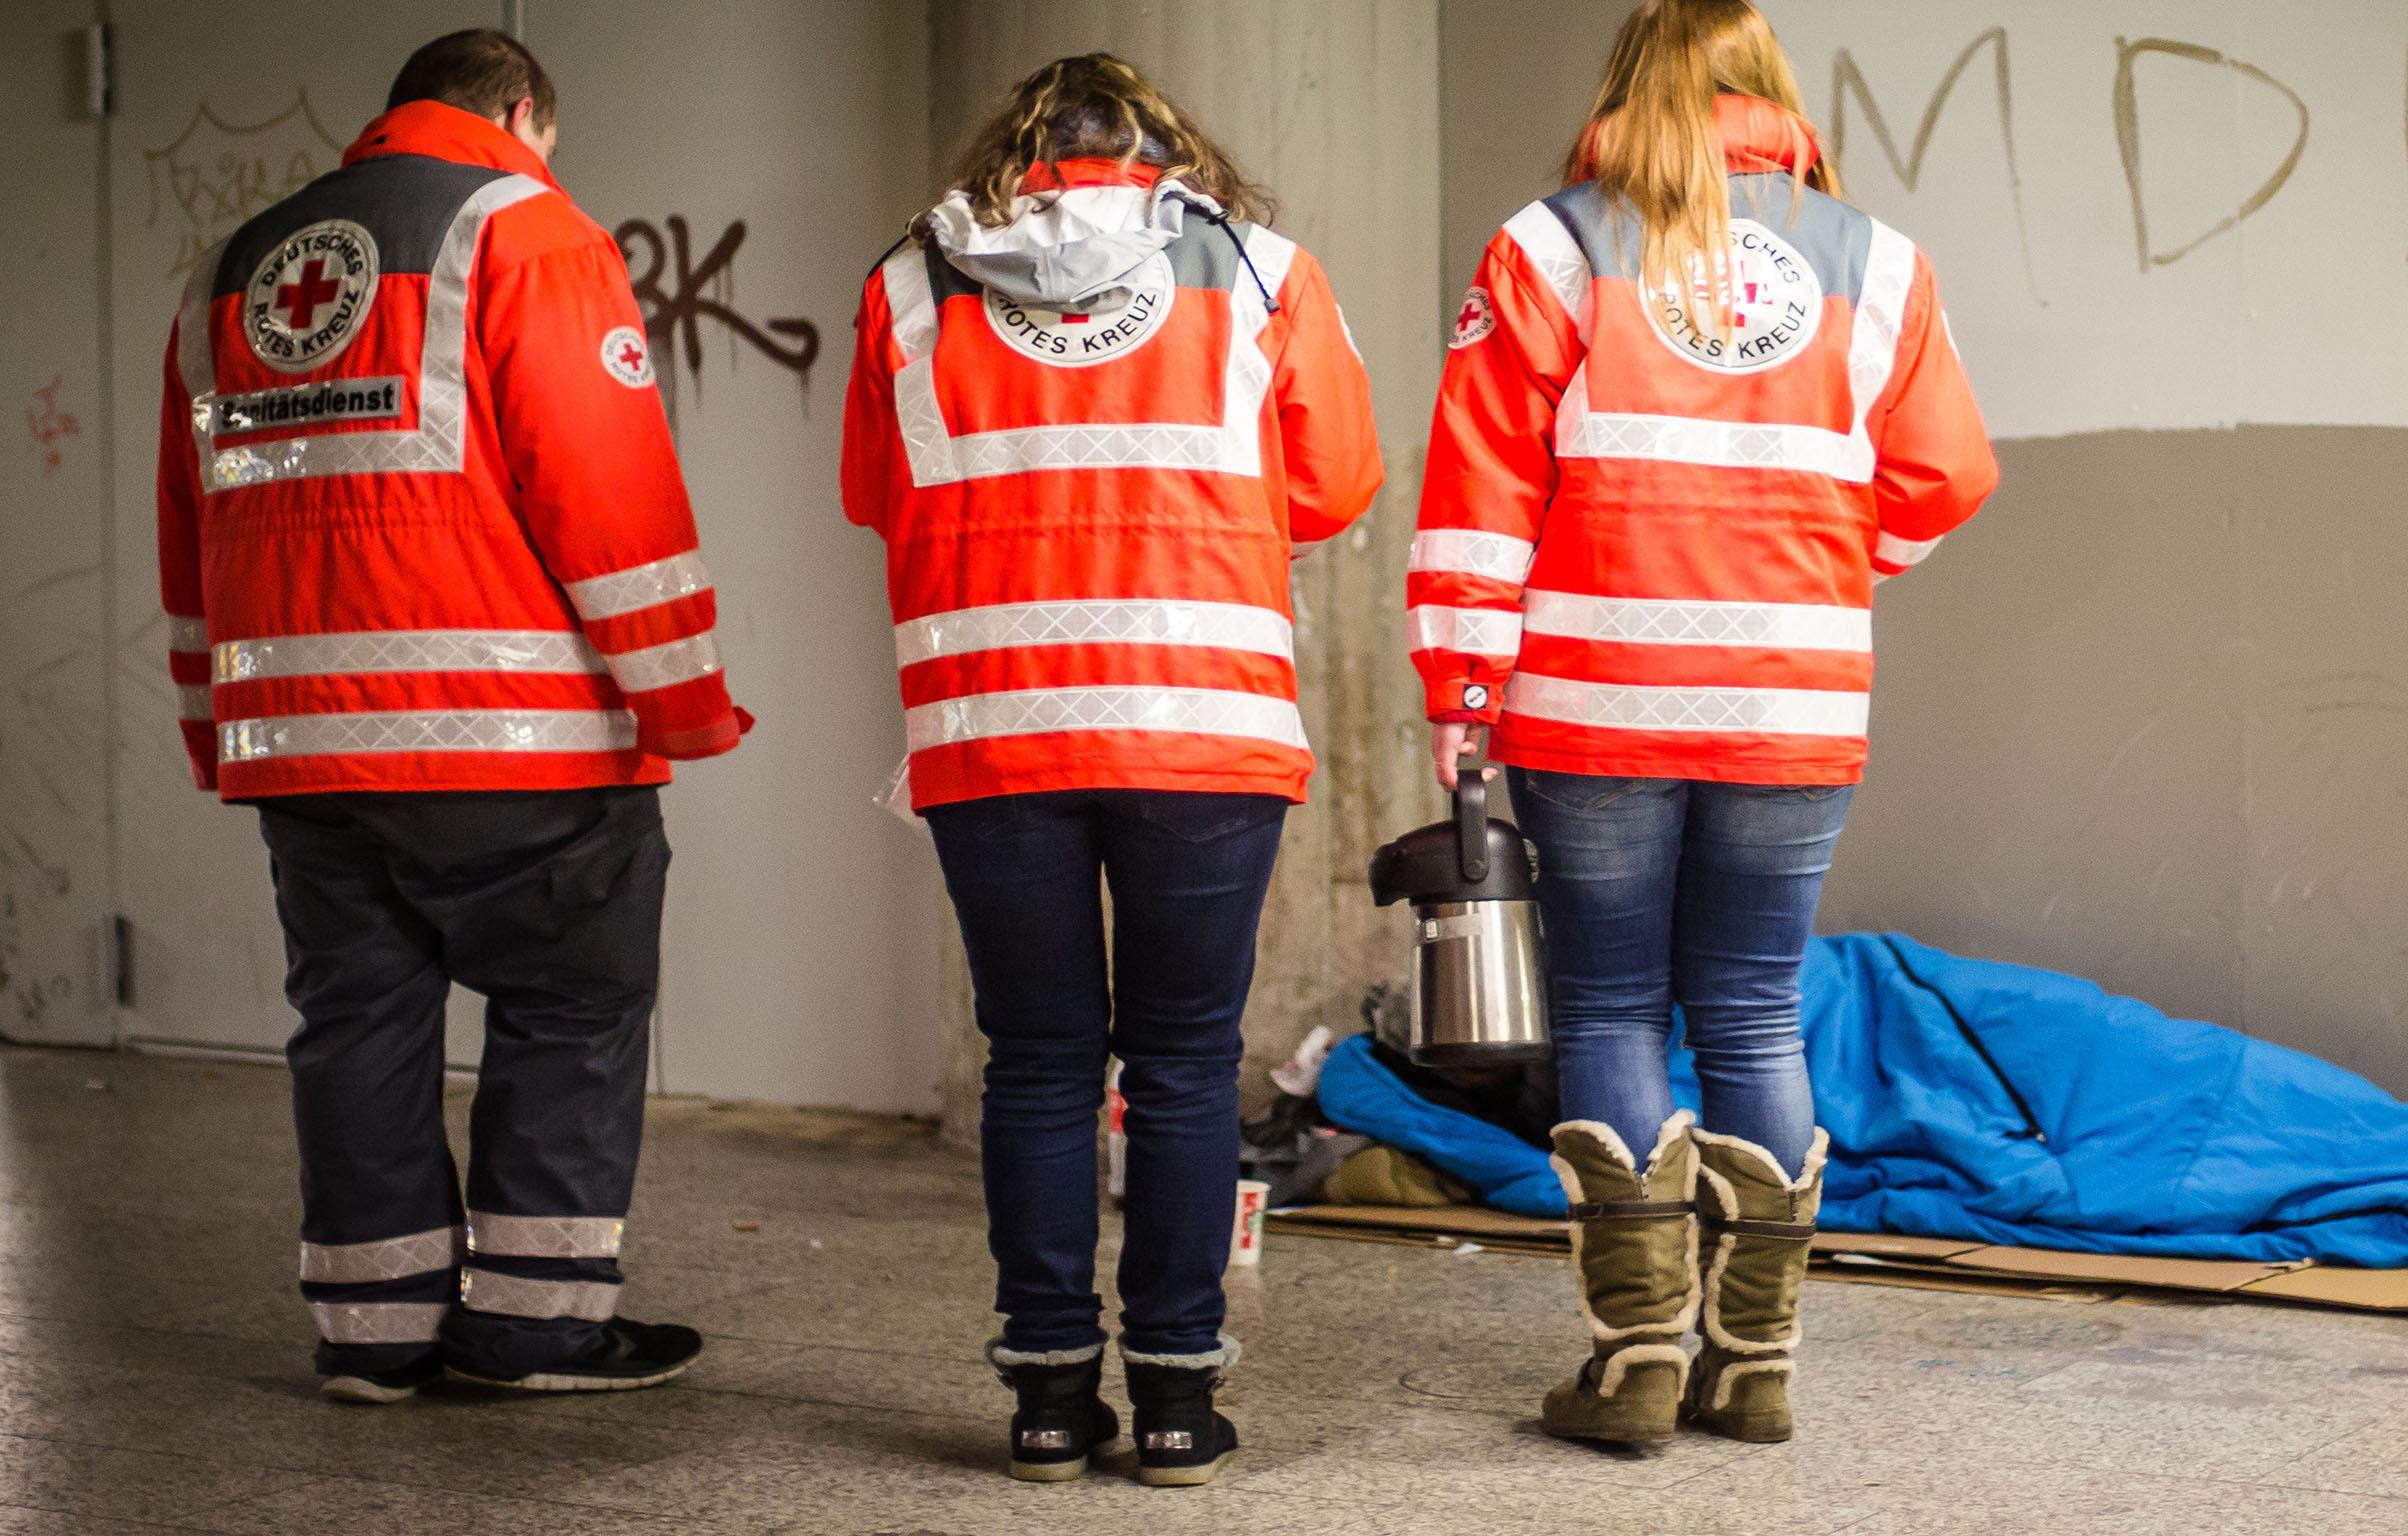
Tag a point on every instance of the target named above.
point(1074, 246)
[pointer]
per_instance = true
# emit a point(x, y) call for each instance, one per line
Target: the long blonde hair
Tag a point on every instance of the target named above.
point(1650, 139)
point(1093, 106)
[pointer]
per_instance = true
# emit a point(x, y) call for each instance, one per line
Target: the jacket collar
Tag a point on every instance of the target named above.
point(1759, 135)
point(1061, 175)
point(443, 132)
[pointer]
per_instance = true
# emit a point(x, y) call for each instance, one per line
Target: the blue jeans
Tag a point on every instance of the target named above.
point(1657, 891)
point(1188, 873)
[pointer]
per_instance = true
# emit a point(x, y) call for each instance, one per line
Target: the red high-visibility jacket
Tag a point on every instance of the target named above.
point(1648, 548)
point(1090, 506)
point(421, 525)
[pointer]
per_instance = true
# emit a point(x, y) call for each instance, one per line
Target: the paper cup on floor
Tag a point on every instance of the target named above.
point(1246, 1238)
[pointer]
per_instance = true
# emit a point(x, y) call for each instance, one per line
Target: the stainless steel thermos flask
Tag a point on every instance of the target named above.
point(1479, 969)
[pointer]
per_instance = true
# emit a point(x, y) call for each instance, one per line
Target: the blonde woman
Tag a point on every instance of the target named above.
point(1696, 408)
point(1096, 407)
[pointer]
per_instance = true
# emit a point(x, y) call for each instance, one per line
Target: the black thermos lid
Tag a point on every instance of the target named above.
point(1471, 858)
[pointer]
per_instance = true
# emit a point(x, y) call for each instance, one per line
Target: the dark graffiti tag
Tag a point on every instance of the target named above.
point(678, 293)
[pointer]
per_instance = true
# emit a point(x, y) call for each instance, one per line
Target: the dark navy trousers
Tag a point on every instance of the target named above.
point(1187, 873)
point(548, 904)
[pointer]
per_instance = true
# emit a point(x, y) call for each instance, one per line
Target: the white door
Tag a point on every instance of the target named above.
point(221, 110)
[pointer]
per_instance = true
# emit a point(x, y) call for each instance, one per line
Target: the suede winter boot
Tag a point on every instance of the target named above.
point(1756, 1225)
point(1634, 1254)
point(1181, 1441)
point(1062, 1417)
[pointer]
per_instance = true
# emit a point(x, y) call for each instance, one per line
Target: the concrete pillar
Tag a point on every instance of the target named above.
point(1334, 105)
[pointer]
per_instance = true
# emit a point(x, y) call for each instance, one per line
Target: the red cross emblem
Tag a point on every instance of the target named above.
point(302, 300)
point(632, 357)
point(1469, 317)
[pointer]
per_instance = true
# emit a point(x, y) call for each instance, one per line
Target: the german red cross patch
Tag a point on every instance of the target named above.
point(307, 299)
point(628, 357)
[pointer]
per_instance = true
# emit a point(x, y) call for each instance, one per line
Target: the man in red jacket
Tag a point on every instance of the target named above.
point(435, 608)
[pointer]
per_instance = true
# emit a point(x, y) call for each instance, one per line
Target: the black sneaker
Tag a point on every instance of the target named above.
point(378, 1388)
point(621, 1358)
point(1062, 1418)
point(1181, 1441)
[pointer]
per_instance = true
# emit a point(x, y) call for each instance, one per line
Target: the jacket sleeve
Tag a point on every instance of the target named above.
point(1933, 466)
point(604, 501)
point(1490, 475)
point(180, 574)
point(1328, 441)
point(872, 438)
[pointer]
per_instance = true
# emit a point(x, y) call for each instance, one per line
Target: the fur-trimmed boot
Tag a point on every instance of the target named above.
point(1756, 1225)
point(1062, 1416)
point(1634, 1254)
point(1181, 1441)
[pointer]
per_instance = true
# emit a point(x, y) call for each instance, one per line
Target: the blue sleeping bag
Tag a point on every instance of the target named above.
point(1966, 1098)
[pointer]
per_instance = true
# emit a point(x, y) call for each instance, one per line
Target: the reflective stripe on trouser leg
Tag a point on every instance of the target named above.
point(566, 949)
point(495, 1293)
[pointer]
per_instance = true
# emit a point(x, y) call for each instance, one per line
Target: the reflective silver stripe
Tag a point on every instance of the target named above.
point(1613, 706)
point(387, 1259)
point(1102, 621)
point(1880, 320)
point(1469, 552)
point(639, 587)
point(436, 446)
point(405, 650)
point(1893, 550)
point(190, 635)
point(1476, 631)
point(196, 359)
point(545, 1237)
point(660, 666)
point(482, 1290)
point(192, 702)
point(1230, 446)
point(1653, 621)
point(1565, 267)
point(378, 1322)
point(1197, 711)
point(1730, 444)
point(459, 730)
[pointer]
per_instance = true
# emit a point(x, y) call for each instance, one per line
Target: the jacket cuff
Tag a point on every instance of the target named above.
point(1464, 701)
point(709, 739)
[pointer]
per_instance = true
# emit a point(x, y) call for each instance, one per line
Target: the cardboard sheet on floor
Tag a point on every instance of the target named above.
point(1924, 1262)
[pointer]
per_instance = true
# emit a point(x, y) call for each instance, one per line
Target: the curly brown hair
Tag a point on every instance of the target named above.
point(1093, 106)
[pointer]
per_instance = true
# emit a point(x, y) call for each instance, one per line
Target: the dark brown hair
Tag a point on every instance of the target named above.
point(481, 71)
point(1094, 106)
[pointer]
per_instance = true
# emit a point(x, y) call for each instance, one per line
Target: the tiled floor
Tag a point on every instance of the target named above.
point(155, 1374)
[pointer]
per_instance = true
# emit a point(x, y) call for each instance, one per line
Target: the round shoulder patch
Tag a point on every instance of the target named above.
point(1475, 319)
point(307, 297)
point(1067, 340)
point(627, 357)
point(1770, 293)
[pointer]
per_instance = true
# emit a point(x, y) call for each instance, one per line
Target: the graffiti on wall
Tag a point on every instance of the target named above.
point(217, 173)
point(679, 291)
point(47, 426)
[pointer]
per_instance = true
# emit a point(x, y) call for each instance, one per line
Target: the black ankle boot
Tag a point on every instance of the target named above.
point(1181, 1442)
point(1062, 1415)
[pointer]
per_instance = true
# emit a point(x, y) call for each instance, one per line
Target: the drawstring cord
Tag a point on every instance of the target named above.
point(1219, 219)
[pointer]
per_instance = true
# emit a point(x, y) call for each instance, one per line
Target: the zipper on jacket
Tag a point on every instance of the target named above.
point(2031, 1123)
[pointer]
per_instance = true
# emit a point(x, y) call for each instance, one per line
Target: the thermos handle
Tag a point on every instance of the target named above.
point(1471, 813)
